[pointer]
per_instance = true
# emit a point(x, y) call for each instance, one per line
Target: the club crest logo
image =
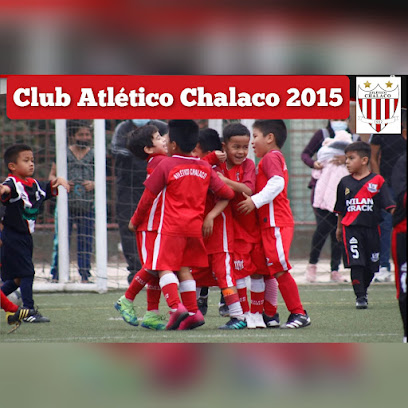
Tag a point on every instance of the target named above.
point(347, 191)
point(372, 188)
point(378, 105)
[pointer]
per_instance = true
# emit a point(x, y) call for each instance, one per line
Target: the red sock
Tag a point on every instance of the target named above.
point(169, 285)
point(137, 284)
point(257, 295)
point(153, 295)
point(6, 304)
point(290, 293)
point(270, 309)
point(242, 293)
point(188, 296)
point(257, 302)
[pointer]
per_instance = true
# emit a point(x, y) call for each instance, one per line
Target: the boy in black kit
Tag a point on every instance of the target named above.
point(360, 198)
point(23, 197)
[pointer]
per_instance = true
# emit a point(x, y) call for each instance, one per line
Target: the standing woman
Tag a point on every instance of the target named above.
point(326, 222)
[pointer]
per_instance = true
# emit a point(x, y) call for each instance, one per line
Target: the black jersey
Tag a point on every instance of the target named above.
point(360, 201)
point(24, 202)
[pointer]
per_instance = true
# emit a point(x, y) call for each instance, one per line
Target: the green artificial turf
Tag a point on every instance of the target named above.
point(85, 317)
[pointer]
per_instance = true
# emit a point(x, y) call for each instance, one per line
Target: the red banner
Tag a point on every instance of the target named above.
point(177, 97)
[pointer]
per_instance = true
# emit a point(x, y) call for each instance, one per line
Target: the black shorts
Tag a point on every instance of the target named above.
point(361, 247)
point(16, 255)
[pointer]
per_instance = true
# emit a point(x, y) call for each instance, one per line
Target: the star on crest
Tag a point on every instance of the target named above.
point(389, 84)
point(367, 84)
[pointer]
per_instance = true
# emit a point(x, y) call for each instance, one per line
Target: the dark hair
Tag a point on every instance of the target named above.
point(275, 126)
point(74, 125)
point(185, 133)
point(404, 118)
point(363, 149)
point(235, 129)
point(11, 154)
point(139, 139)
point(209, 140)
point(162, 126)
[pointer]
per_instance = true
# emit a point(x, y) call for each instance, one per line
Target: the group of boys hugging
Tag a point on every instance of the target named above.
point(208, 219)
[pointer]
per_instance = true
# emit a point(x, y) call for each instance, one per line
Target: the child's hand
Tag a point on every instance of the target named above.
point(317, 165)
point(208, 226)
point(131, 227)
point(221, 176)
point(4, 189)
point(246, 206)
point(89, 185)
point(59, 181)
point(339, 234)
point(221, 156)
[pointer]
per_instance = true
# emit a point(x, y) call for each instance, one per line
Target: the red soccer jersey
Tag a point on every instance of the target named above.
point(152, 219)
point(246, 227)
point(185, 181)
point(222, 238)
point(278, 212)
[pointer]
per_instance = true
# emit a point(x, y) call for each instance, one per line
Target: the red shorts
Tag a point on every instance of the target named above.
point(218, 273)
point(276, 242)
point(170, 253)
point(249, 258)
point(145, 244)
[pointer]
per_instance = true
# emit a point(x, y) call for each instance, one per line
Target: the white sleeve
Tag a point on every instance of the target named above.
point(274, 186)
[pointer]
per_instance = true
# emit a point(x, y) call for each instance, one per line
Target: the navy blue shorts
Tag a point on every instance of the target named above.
point(16, 255)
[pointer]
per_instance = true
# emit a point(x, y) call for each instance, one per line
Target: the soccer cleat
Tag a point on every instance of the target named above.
point(383, 275)
point(192, 322)
point(202, 303)
point(125, 308)
point(36, 318)
point(177, 317)
point(336, 276)
point(153, 321)
point(17, 317)
point(311, 273)
point(361, 303)
point(271, 321)
point(223, 310)
point(297, 321)
point(234, 324)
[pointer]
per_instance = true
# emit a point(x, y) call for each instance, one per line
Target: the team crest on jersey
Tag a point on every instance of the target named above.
point(372, 188)
point(346, 191)
point(353, 240)
point(375, 257)
point(378, 105)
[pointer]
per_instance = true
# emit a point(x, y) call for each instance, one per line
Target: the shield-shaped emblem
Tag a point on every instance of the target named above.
point(378, 106)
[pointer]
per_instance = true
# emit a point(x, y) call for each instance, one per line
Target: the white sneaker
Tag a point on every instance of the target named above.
point(383, 275)
point(250, 321)
point(258, 320)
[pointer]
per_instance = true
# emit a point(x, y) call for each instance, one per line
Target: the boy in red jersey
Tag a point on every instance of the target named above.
point(274, 213)
point(147, 144)
point(360, 198)
point(184, 182)
point(249, 258)
point(218, 230)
